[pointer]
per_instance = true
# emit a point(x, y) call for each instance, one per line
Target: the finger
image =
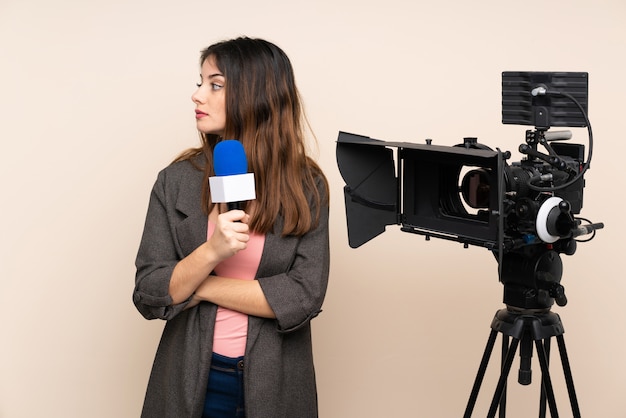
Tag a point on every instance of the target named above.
point(234, 215)
point(240, 227)
point(243, 237)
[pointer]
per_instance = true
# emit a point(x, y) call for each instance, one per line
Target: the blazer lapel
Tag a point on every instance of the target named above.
point(191, 231)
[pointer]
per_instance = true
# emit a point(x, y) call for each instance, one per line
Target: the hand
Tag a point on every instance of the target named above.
point(231, 234)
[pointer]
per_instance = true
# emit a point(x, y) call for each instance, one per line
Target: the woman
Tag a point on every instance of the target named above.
point(234, 346)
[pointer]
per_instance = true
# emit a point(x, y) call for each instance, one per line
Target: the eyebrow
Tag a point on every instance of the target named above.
point(215, 75)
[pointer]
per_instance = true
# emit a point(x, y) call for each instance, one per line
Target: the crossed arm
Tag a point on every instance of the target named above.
point(192, 275)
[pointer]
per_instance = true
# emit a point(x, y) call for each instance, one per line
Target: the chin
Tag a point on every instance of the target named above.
point(209, 131)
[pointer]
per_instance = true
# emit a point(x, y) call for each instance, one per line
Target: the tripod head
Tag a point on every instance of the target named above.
point(532, 278)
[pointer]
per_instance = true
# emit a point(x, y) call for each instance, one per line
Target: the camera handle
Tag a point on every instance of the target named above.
point(552, 159)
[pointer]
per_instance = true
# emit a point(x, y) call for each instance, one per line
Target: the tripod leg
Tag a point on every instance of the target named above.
point(545, 375)
point(505, 349)
point(481, 374)
point(503, 376)
point(568, 376)
point(542, 399)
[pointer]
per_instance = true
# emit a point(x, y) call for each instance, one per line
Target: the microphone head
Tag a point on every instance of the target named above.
point(229, 158)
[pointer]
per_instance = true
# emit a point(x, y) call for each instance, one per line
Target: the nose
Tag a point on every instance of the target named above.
point(196, 97)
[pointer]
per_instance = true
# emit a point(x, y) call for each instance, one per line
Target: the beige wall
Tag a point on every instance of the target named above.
point(95, 100)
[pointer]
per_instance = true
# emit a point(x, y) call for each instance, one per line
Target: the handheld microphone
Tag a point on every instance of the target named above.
point(232, 184)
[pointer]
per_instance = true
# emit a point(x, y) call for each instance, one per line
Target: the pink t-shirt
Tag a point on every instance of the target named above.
point(231, 327)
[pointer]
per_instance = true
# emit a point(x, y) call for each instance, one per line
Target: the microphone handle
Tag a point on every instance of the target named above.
point(234, 205)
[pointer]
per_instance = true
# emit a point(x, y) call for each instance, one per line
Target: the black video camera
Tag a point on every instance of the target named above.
point(524, 212)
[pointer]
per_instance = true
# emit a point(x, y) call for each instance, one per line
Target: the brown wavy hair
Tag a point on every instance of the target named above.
point(264, 112)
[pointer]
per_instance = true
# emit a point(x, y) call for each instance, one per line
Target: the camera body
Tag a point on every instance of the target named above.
point(467, 193)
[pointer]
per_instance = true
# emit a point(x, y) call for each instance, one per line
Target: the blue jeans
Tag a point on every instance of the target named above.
point(224, 395)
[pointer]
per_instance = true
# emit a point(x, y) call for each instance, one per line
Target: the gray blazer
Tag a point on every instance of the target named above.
point(279, 378)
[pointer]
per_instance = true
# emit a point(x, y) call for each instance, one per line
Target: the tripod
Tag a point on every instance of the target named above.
point(525, 327)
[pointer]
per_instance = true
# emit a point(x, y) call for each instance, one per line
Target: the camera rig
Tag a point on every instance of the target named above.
point(526, 213)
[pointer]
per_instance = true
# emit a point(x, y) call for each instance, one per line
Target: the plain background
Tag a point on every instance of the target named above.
point(95, 100)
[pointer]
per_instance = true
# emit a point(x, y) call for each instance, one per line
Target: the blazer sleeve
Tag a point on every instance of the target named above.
point(157, 256)
point(296, 295)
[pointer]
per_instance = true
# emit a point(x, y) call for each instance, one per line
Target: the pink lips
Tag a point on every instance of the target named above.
point(200, 114)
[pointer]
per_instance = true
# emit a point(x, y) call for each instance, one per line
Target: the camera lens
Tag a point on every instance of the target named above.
point(475, 188)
